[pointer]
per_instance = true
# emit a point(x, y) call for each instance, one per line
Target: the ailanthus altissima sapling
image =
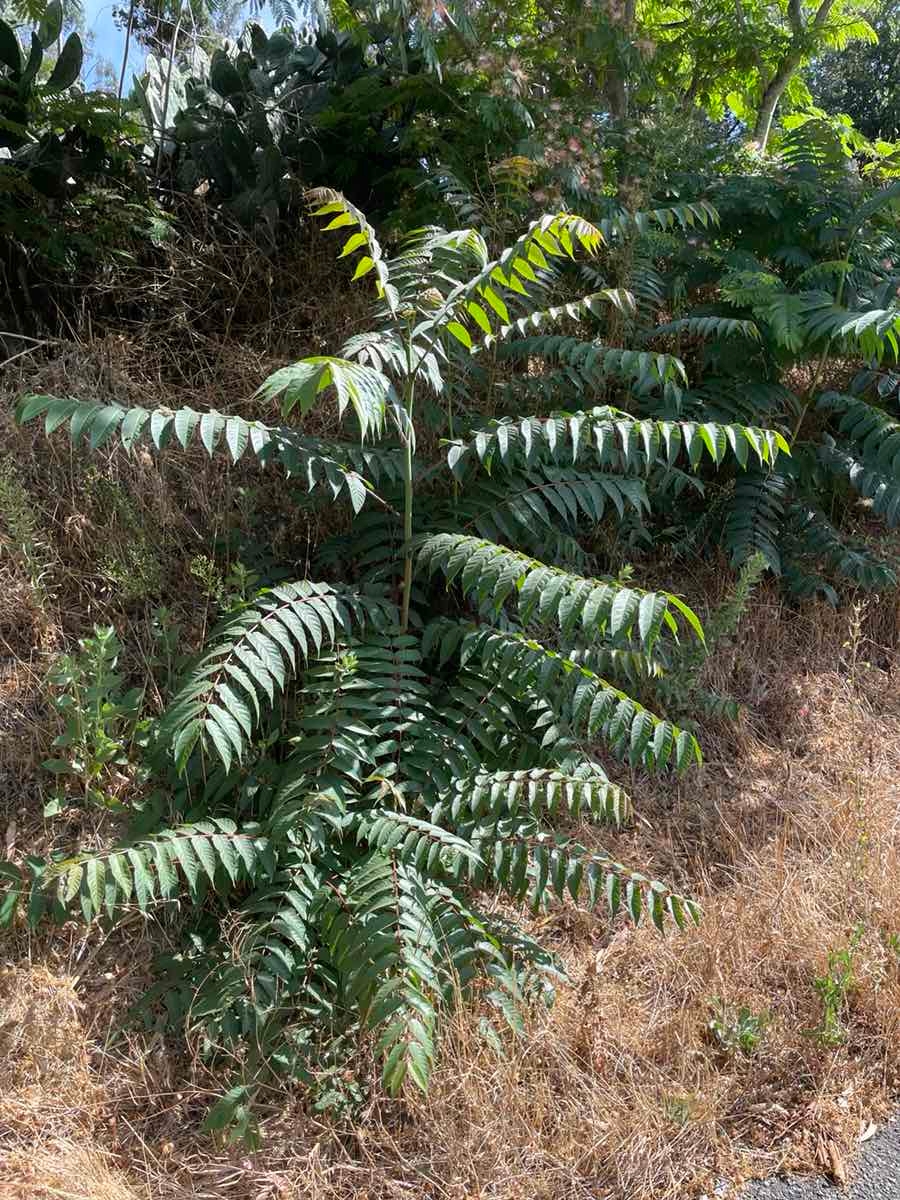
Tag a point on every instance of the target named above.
point(439, 690)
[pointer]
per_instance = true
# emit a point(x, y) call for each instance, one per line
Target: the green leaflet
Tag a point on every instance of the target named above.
point(368, 392)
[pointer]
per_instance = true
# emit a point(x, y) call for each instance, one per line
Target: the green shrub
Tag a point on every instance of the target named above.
point(795, 283)
point(352, 759)
point(70, 191)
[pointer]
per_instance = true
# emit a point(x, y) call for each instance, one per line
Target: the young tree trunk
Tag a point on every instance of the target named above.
point(616, 94)
point(771, 96)
point(165, 109)
point(614, 86)
point(125, 56)
point(803, 41)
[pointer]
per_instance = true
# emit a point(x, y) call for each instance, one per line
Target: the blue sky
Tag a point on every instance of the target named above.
point(106, 40)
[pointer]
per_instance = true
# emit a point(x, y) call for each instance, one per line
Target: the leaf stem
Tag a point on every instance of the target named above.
point(407, 499)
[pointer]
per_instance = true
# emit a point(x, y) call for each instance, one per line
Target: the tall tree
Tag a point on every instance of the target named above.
point(747, 55)
point(158, 24)
point(863, 81)
point(806, 33)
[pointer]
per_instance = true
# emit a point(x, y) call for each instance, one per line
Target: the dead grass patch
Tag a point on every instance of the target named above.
point(48, 1089)
point(63, 1170)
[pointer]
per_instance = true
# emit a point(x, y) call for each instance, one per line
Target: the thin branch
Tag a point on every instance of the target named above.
point(125, 56)
point(165, 107)
point(822, 15)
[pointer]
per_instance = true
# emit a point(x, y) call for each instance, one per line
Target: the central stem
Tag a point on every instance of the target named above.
point(407, 505)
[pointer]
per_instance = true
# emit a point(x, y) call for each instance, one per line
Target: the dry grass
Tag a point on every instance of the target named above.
point(47, 1085)
point(789, 835)
point(63, 1170)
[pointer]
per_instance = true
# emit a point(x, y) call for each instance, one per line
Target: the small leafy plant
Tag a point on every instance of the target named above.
point(834, 988)
point(165, 657)
point(679, 688)
point(738, 1031)
point(99, 720)
point(226, 591)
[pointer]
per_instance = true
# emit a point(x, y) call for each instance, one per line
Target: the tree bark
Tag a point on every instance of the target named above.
point(801, 43)
point(771, 96)
point(614, 87)
point(690, 94)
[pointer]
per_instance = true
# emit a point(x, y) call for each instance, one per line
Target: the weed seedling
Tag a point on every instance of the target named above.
point(227, 592)
point(855, 641)
point(99, 719)
point(737, 1033)
point(680, 1109)
point(166, 658)
point(20, 529)
point(834, 987)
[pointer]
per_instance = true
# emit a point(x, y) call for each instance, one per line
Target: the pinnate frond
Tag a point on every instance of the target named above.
point(580, 696)
point(538, 319)
point(542, 864)
point(685, 216)
point(213, 853)
point(536, 503)
point(754, 518)
point(871, 332)
point(709, 327)
point(879, 488)
point(485, 297)
point(491, 574)
point(326, 202)
point(342, 468)
point(614, 438)
point(249, 660)
point(381, 937)
point(813, 542)
point(583, 365)
point(874, 434)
